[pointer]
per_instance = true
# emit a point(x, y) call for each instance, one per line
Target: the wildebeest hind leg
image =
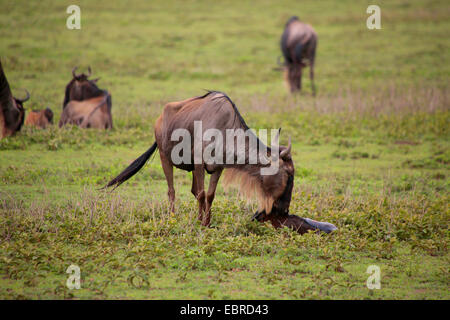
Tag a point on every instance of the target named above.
point(311, 77)
point(168, 172)
point(194, 191)
point(199, 178)
point(210, 196)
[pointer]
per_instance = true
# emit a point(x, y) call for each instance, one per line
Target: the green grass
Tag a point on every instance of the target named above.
point(371, 153)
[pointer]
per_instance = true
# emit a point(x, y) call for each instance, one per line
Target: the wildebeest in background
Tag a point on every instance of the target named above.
point(90, 113)
point(12, 113)
point(81, 88)
point(298, 45)
point(85, 105)
point(39, 118)
point(216, 111)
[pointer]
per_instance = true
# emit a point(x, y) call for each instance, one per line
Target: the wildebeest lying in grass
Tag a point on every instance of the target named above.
point(90, 113)
point(81, 88)
point(12, 113)
point(39, 118)
point(298, 45)
point(85, 105)
point(215, 112)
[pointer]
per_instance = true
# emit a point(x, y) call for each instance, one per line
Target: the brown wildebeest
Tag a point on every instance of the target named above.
point(39, 118)
point(81, 88)
point(90, 113)
point(216, 111)
point(298, 45)
point(12, 113)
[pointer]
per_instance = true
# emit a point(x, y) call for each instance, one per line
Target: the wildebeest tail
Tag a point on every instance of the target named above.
point(298, 52)
point(284, 48)
point(132, 168)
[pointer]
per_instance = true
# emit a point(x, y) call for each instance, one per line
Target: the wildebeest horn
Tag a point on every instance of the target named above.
point(26, 98)
point(286, 153)
point(90, 71)
point(276, 140)
point(275, 144)
point(73, 72)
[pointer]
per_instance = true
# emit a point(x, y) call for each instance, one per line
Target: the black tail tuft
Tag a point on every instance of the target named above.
point(132, 168)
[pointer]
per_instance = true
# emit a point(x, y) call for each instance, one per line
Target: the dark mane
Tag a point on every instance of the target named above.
point(224, 95)
point(67, 93)
point(236, 111)
point(98, 91)
point(5, 91)
point(284, 38)
point(89, 90)
point(291, 19)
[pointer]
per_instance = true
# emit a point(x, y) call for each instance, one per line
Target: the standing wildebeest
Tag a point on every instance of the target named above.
point(81, 88)
point(216, 111)
point(298, 44)
point(90, 113)
point(39, 118)
point(12, 113)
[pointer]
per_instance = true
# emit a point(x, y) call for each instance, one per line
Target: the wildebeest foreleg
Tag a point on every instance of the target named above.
point(215, 176)
point(168, 172)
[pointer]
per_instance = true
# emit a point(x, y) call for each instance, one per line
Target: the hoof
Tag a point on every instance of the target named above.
point(206, 223)
point(259, 216)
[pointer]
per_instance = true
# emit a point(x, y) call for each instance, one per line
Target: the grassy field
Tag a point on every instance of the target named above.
point(371, 152)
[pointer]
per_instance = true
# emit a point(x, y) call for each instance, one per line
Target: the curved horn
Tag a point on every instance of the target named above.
point(73, 72)
point(277, 138)
point(90, 71)
point(26, 98)
point(286, 153)
point(275, 144)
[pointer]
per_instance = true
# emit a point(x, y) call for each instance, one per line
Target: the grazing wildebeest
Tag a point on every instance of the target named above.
point(90, 113)
point(39, 118)
point(12, 113)
point(216, 111)
point(298, 45)
point(81, 88)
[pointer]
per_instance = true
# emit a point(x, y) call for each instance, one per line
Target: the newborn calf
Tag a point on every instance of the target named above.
point(301, 225)
point(40, 118)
